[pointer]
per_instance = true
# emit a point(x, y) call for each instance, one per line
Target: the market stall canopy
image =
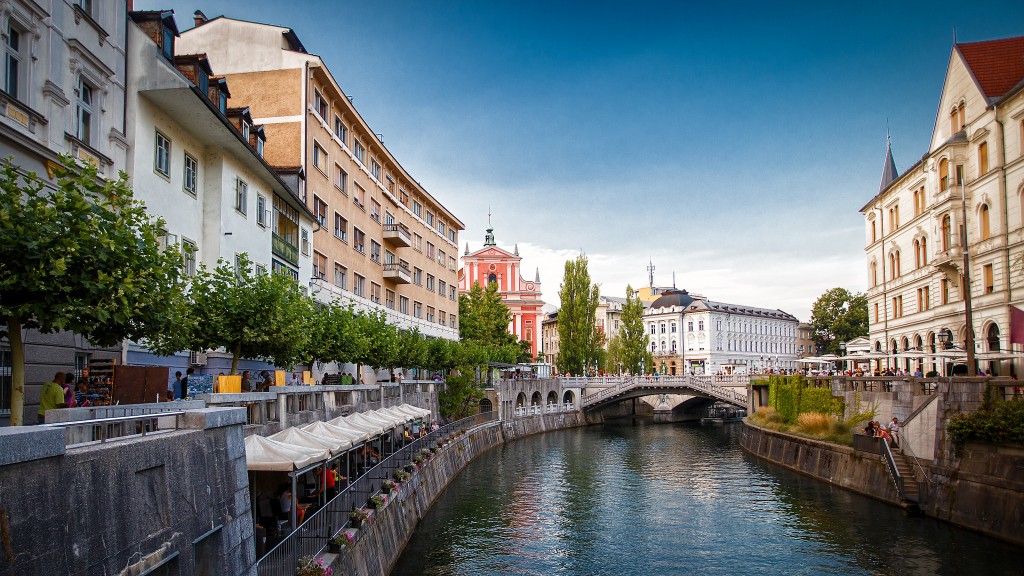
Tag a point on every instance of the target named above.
point(264, 454)
point(344, 433)
point(414, 410)
point(351, 422)
point(299, 437)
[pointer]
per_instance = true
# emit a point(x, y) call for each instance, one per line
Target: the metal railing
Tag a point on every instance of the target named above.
point(894, 471)
point(312, 536)
point(100, 430)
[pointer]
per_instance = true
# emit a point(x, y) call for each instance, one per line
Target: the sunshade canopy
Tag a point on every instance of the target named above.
point(299, 437)
point(264, 454)
point(324, 429)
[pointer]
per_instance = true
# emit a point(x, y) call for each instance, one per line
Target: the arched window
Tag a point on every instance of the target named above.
point(962, 114)
point(874, 274)
point(947, 232)
point(917, 254)
point(983, 217)
point(993, 338)
point(982, 159)
point(894, 264)
point(492, 278)
point(924, 251)
point(943, 174)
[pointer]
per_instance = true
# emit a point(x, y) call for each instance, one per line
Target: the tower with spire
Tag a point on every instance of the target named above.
point(889, 173)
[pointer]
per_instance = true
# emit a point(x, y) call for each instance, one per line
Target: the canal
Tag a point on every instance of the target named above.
point(672, 499)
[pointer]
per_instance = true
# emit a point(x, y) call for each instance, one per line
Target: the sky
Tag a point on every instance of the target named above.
point(730, 143)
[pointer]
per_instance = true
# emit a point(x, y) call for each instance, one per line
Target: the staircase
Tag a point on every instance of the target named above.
point(906, 470)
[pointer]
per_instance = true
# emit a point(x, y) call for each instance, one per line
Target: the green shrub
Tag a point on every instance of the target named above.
point(791, 396)
point(998, 422)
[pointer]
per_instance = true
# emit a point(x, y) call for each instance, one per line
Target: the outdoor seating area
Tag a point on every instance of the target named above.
point(298, 470)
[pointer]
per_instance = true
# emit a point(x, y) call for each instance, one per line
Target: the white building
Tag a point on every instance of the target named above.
point(973, 168)
point(689, 333)
point(199, 164)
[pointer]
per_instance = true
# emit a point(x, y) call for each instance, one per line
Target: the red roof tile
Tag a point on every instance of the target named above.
point(998, 65)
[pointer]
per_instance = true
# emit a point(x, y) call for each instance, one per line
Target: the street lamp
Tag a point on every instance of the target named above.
point(972, 369)
point(945, 337)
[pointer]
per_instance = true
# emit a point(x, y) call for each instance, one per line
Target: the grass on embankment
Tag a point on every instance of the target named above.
point(814, 425)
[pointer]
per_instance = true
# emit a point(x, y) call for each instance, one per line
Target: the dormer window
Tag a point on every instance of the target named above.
point(222, 102)
point(259, 147)
point(167, 49)
point(245, 130)
point(203, 80)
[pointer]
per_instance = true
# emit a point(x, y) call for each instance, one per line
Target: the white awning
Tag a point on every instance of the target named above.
point(264, 454)
point(351, 421)
point(299, 437)
point(343, 434)
point(372, 420)
point(415, 410)
point(396, 414)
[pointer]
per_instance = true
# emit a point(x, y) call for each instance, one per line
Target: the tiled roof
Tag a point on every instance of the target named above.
point(998, 65)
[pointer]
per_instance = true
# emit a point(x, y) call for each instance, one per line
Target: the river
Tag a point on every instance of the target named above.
point(643, 498)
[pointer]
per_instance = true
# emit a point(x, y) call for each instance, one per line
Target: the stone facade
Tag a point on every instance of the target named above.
point(973, 168)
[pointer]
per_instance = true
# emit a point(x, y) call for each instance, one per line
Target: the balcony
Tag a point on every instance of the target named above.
point(397, 273)
point(398, 235)
point(285, 249)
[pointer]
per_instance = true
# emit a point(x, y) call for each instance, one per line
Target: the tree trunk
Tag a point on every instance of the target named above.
point(234, 359)
point(17, 372)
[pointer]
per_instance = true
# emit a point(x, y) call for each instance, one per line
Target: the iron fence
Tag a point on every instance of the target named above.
point(312, 536)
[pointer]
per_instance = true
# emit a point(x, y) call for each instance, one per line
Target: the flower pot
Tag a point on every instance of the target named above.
point(333, 548)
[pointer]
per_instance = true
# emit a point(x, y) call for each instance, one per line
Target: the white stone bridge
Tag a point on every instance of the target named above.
point(616, 389)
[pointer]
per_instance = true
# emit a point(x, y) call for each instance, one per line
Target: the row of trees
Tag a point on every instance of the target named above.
point(80, 253)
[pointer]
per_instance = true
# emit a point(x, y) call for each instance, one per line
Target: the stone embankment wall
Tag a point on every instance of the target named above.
point(381, 541)
point(179, 499)
point(980, 488)
point(838, 465)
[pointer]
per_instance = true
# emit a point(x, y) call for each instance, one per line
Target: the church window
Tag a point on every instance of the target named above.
point(492, 277)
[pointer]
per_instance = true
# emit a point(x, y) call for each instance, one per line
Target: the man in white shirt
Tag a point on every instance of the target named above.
point(894, 431)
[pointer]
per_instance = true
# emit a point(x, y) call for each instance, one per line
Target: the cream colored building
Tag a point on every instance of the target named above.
point(384, 242)
point(973, 167)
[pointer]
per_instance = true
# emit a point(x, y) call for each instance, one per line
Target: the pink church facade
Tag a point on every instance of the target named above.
point(521, 296)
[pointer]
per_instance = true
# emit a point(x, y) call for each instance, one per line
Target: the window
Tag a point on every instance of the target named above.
point(389, 257)
point(440, 257)
point(390, 184)
point(923, 299)
point(417, 209)
point(340, 179)
point(441, 227)
point(451, 321)
point(359, 240)
point(441, 316)
point(304, 242)
point(452, 294)
point(430, 219)
point(894, 217)
point(944, 292)
point(320, 210)
point(13, 69)
point(375, 210)
point(375, 292)
point(653, 331)
point(162, 158)
point(389, 299)
point(359, 289)
point(191, 176)
point(943, 174)
point(430, 282)
point(442, 287)
point(403, 304)
point(359, 197)
point(340, 227)
point(662, 327)
point(947, 232)
point(451, 263)
point(375, 251)
point(340, 276)
point(673, 327)
point(241, 196)
point(417, 242)
point(319, 157)
point(874, 274)
point(988, 278)
point(451, 236)
point(359, 151)
point(897, 307)
point(417, 309)
point(894, 264)
point(689, 326)
point(874, 231)
point(375, 169)
point(417, 276)
point(261, 210)
point(876, 316)
point(982, 159)
point(403, 197)
point(984, 222)
point(341, 131)
point(319, 265)
point(188, 257)
point(430, 250)
point(920, 252)
point(700, 325)
point(84, 111)
point(917, 203)
point(430, 313)
point(319, 104)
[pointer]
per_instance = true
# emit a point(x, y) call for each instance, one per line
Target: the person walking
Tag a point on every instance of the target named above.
point(51, 397)
point(894, 431)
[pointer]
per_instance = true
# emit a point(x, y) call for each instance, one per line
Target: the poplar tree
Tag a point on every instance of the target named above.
point(633, 339)
point(483, 317)
point(578, 337)
point(79, 254)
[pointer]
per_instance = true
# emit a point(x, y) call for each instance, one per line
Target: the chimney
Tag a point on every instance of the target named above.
point(131, 6)
point(200, 18)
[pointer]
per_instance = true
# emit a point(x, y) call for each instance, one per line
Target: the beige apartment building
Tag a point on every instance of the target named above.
point(383, 242)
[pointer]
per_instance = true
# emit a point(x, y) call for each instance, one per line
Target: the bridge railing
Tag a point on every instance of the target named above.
point(703, 384)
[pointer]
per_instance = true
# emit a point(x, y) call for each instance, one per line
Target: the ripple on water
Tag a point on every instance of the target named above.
point(671, 499)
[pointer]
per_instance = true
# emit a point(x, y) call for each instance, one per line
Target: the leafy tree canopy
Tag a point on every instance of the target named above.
point(578, 339)
point(838, 316)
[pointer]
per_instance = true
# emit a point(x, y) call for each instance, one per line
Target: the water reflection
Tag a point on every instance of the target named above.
point(672, 499)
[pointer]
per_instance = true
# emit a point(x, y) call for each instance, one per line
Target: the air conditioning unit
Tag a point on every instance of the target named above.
point(197, 358)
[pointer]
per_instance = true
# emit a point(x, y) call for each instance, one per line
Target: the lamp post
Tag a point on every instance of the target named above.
point(972, 369)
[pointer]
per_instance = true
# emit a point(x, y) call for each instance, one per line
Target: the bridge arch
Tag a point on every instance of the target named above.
point(521, 400)
point(568, 397)
point(552, 397)
point(536, 399)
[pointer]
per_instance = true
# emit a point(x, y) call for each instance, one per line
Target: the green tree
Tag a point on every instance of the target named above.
point(576, 318)
point(250, 315)
point(837, 316)
point(461, 394)
point(331, 334)
point(613, 359)
point(635, 353)
point(80, 254)
point(483, 317)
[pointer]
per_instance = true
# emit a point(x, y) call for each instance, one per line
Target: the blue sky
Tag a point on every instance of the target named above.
point(732, 143)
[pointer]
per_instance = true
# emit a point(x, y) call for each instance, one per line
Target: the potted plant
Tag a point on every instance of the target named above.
point(310, 566)
point(357, 517)
point(418, 459)
point(389, 486)
point(377, 501)
point(401, 475)
point(410, 468)
point(343, 538)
